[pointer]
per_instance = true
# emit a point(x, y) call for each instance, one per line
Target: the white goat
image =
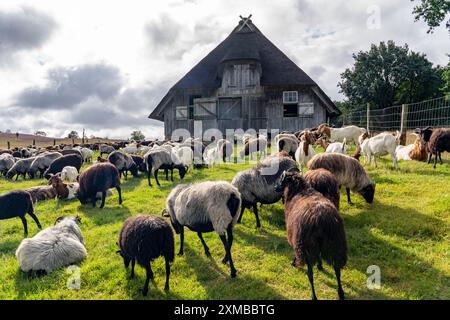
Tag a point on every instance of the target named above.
point(337, 147)
point(382, 144)
point(69, 173)
point(350, 133)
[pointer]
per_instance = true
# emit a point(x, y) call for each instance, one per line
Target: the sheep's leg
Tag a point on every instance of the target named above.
point(133, 262)
point(180, 253)
point(149, 277)
point(166, 286)
point(25, 226)
point(440, 159)
point(32, 215)
point(348, 196)
point(166, 171)
point(311, 281)
point(94, 200)
point(255, 211)
point(228, 254)
point(319, 265)
point(242, 213)
point(375, 161)
point(337, 271)
point(125, 173)
point(119, 191)
point(429, 157)
point(103, 199)
point(156, 177)
point(17, 176)
point(230, 242)
point(205, 246)
point(171, 174)
point(149, 176)
point(395, 161)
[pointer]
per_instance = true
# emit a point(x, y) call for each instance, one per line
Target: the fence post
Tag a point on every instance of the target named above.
point(54, 142)
point(368, 117)
point(9, 145)
point(404, 117)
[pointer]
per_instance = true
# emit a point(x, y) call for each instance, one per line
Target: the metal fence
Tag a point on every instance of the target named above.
point(433, 113)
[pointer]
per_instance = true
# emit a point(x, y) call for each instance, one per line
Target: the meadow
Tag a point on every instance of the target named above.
point(405, 232)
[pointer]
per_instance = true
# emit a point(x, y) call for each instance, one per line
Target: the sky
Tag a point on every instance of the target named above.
point(104, 65)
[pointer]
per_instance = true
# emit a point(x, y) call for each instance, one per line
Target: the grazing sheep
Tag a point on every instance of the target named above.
point(437, 141)
point(305, 151)
point(6, 163)
point(20, 167)
point(124, 163)
point(185, 155)
point(42, 193)
point(52, 248)
point(382, 144)
point(72, 160)
point(71, 151)
point(337, 147)
point(98, 178)
point(347, 171)
point(324, 182)
point(106, 149)
point(17, 204)
point(254, 145)
point(161, 159)
point(143, 239)
point(140, 163)
point(315, 229)
point(25, 153)
point(69, 173)
point(350, 133)
point(42, 162)
point(257, 184)
point(205, 207)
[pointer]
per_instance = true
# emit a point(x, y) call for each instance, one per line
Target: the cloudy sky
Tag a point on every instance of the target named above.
point(104, 65)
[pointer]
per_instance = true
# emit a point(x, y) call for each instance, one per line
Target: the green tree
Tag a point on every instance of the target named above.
point(445, 76)
point(137, 135)
point(433, 12)
point(73, 135)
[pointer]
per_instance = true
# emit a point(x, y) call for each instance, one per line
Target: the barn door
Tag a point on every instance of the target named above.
point(229, 115)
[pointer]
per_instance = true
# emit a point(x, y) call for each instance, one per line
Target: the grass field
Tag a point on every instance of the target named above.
point(405, 232)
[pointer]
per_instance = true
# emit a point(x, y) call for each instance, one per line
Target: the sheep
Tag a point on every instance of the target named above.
point(337, 147)
point(17, 204)
point(86, 153)
point(71, 151)
point(58, 165)
point(315, 230)
point(256, 184)
point(287, 142)
point(381, 144)
point(225, 149)
point(106, 149)
point(20, 167)
point(143, 239)
point(6, 163)
point(69, 173)
point(139, 163)
point(64, 191)
point(254, 145)
point(162, 159)
point(324, 182)
point(98, 178)
point(42, 162)
point(205, 207)
point(211, 155)
point(55, 247)
point(124, 163)
point(305, 151)
point(25, 153)
point(185, 155)
point(347, 171)
point(437, 141)
point(351, 133)
point(41, 193)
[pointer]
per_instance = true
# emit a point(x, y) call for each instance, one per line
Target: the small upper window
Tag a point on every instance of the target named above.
point(290, 110)
point(290, 97)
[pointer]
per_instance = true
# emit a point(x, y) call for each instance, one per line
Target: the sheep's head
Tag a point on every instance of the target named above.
point(288, 178)
point(426, 133)
point(134, 169)
point(368, 192)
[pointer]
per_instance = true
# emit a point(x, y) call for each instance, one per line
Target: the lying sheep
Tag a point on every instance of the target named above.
point(347, 171)
point(20, 167)
point(69, 173)
point(42, 193)
point(98, 178)
point(124, 163)
point(315, 229)
point(52, 248)
point(205, 207)
point(143, 239)
point(162, 159)
point(72, 160)
point(42, 162)
point(17, 204)
point(256, 184)
point(6, 163)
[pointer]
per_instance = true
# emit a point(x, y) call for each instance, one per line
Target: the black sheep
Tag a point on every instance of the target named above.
point(437, 141)
point(58, 165)
point(98, 178)
point(143, 239)
point(139, 162)
point(17, 204)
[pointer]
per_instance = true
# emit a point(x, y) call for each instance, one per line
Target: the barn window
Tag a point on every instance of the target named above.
point(305, 109)
point(205, 108)
point(290, 97)
point(191, 105)
point(290, 110)
point(181, 113)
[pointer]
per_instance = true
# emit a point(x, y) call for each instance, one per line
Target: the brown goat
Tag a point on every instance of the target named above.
point(324, 181)
point(315, 229)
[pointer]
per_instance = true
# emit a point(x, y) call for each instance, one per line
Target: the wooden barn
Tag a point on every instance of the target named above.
point(246, 82)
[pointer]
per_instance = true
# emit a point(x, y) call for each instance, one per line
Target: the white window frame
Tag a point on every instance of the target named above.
point(290, 97)
point(180, 116)
point(306, 109)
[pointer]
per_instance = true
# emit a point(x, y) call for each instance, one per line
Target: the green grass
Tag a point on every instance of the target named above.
point(405, 232)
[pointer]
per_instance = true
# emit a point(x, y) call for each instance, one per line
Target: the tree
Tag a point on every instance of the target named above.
point(40, 133)
point(137, 135)
point(73, 135)
point(445, 76)
point(433, 12)
point(388, 74)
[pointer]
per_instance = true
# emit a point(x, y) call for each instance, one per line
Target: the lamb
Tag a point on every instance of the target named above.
point(315, 229)
point(17, 204)
point(98, 178)
point(347, 171)
point(20, 167)
point(143, 239)
point(337, 147)
point(124, 163)
point(52, 248)
point(6, 163)
point(69, 173)
point(381, 144)
point(324, 182)
point(58, 165)
point(438, 141)
point(257, 183)
point(42, 162)
point(106, 149)
point(305, 151)
point(205, 207)
point(162, 159)
point(41, 193)
point(254, 145)
point(351, 133)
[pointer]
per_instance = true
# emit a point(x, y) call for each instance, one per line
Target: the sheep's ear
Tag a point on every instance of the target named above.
point(165, 213)
point(78, 218)
point(58, 219)
point(78, 178)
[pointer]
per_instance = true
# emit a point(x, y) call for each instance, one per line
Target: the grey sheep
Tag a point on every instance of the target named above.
point(162, 159)
point(52, 248)
point(21, 167)
point(124, 163)
point(205, 207)
point(106, 149)
point(42, 162)
point(6, 163)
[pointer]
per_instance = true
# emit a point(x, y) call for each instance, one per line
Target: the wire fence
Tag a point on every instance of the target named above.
point(433, 113)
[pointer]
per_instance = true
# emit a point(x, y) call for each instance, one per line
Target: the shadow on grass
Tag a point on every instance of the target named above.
point(108, 215)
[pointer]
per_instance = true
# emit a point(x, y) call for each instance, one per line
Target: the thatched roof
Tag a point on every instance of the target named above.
point(247, 43)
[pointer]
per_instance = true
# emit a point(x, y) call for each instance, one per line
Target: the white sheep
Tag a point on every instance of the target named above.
point(185, 155)
point(69, 173)
point(52, 248)
point(337, 147)
point(382, 144)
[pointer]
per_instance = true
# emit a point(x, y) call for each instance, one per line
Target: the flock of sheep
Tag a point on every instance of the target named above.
point(314, 226)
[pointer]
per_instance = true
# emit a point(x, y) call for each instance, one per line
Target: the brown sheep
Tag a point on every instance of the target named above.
point(324, 181)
